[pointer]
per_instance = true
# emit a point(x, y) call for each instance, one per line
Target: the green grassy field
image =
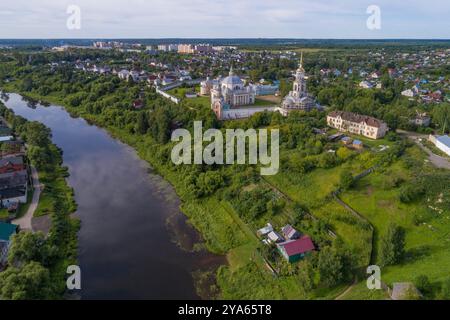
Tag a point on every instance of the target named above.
point(427, 242)
point(263, 103)
point(180, 93)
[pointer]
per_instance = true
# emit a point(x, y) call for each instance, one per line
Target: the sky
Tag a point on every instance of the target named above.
point(342, 19)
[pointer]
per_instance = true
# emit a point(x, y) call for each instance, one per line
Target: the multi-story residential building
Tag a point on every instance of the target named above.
point(168, 47)
point(357, 124)
point(186, 48)
point(203, 48)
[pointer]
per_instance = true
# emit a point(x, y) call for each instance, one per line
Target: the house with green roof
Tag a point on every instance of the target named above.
point(7, 230)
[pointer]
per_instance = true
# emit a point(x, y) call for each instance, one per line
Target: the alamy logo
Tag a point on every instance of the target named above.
point(235, 147)
point(374, 20)
point(74, 20)
point(74, 279)
point(374, 280)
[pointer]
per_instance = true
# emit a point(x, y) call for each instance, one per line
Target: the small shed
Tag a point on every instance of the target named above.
point(290, 233)
point(275, 237)
point(265, 231)
point(358, 144)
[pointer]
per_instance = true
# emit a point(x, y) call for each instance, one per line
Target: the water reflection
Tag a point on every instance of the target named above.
point(125, 246)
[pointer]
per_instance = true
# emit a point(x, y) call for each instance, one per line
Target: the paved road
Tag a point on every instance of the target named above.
point(25, 221)
point(438, 161)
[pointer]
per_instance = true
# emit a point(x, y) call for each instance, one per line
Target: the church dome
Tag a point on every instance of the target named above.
point(232, 81)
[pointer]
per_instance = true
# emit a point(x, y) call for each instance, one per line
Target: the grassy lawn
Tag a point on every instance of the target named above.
point(427, 242)
point(180, 93)
point(313, 191)
point(216, 225)
point(310, 189)
point(204, 102)
point(356, 234)
point(262, 103)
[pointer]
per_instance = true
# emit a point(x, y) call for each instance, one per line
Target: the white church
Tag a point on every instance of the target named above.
point(231, 99)
point(298, 98)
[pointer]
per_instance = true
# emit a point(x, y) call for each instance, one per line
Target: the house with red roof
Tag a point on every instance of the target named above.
point(294, 250)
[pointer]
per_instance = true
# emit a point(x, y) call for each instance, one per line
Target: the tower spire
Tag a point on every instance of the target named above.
point(300, 66)
point(231, 70)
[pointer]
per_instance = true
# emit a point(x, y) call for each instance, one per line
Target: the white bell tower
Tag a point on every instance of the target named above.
point(300, 81)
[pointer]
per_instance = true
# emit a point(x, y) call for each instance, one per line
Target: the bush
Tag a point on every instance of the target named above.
point(410, 192)
point(423, 284)
point(346, 180)
point(392, 245)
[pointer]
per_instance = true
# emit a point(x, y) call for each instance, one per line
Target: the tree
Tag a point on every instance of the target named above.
point(346, 180)
point(27, 84)
point(159, 124)
point(37, 134)
point(31, 282)
point(27, 247)
point(410, 192)
point(343, 153)
point(444, 293)
point(392, 245)
point(285, 87)
point(142, 123)
point(306, 276)
point(330, 267)
point(422, 282)
point(327, 160)
point(38, 156)
point(441, 116)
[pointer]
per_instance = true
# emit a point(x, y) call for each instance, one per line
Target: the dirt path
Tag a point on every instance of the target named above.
point(25, 221)
point(343, 294)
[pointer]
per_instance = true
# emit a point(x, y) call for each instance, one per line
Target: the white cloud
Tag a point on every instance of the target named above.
point(220, 18)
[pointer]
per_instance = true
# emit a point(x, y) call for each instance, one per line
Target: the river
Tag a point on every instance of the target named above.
point(127, 248)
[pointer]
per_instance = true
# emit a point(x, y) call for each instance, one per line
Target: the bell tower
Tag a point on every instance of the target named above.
point(300, 81)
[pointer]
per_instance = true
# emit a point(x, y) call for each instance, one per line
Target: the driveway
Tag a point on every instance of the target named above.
point(437, 161)
point(25, 221)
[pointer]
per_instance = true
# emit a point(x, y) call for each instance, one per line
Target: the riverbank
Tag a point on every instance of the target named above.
point(57, 202)
point(215, 223)
point(152, 198)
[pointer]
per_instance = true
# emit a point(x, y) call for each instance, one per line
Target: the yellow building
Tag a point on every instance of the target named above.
point(357, 124)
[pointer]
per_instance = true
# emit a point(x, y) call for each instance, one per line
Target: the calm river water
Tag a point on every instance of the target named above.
point(126, 247)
